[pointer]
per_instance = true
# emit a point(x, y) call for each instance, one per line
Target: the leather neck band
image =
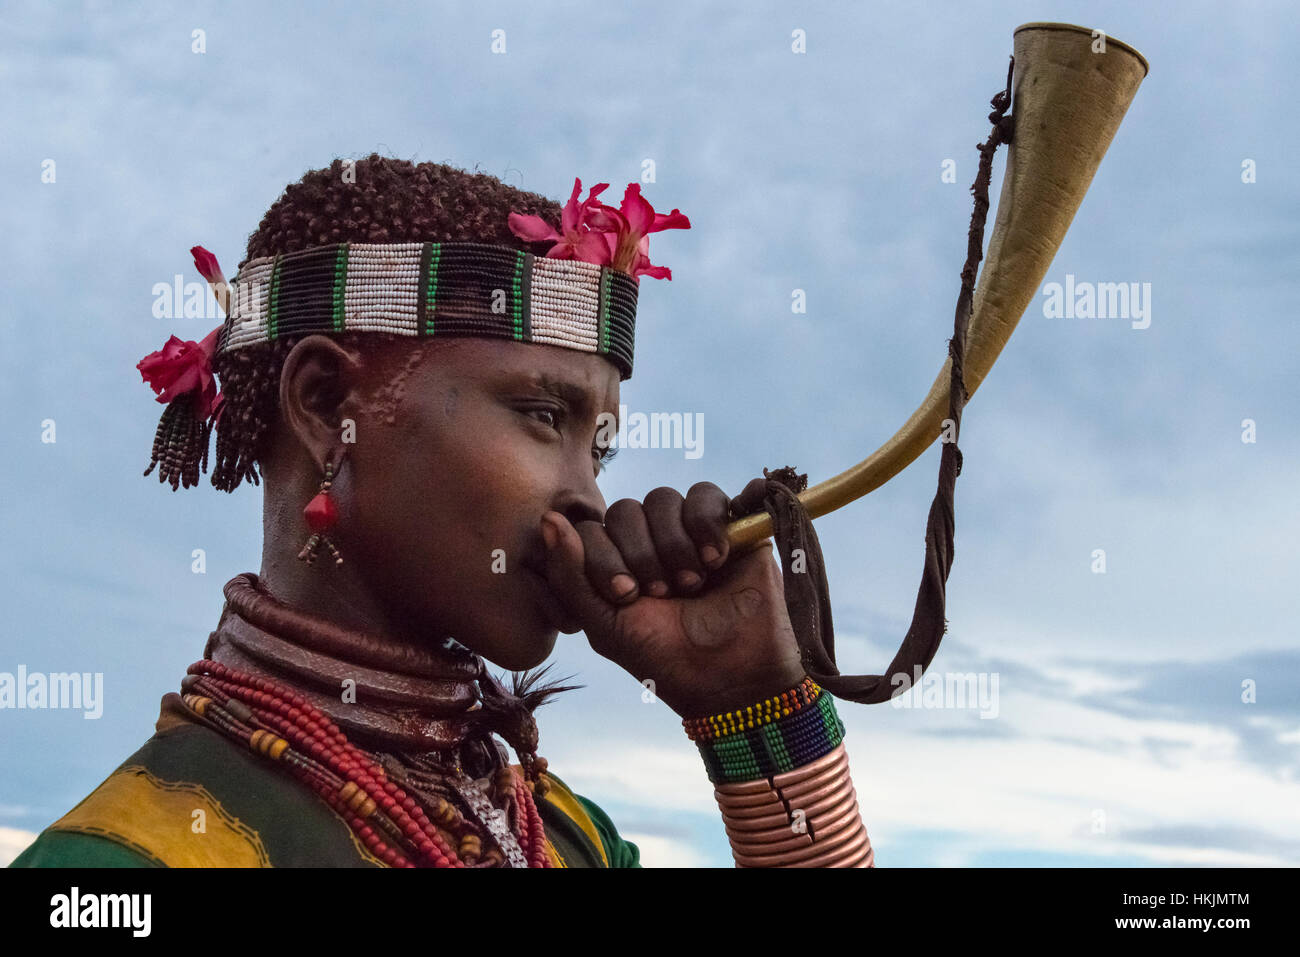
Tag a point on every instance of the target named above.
point(381, 694)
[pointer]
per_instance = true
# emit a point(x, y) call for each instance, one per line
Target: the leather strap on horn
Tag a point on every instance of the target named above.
point(806, 592)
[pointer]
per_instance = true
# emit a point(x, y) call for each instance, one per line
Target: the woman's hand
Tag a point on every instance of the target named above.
point(657, 592)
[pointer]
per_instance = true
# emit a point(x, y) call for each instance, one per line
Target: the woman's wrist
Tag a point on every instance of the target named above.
point(739, 693)
point(774, 735)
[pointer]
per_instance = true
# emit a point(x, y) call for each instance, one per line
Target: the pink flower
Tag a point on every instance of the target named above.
point(206, 264)
point(576, 240)
point(596, 233)
point(180, 367)
point(627, 232)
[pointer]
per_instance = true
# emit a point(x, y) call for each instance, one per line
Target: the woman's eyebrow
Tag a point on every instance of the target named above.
point(572, 393)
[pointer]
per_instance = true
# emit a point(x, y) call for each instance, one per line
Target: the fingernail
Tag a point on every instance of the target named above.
point(623, 585)
point(549, 533)
point(658, 589)
point(688, 579)
point(709, 554)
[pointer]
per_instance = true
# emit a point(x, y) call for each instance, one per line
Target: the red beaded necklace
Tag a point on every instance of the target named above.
point(281, 725)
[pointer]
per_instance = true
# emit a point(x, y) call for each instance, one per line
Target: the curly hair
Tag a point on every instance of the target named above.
point(380, 200)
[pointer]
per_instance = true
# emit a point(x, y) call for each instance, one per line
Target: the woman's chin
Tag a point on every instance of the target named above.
point(514, 649)
point(512, 663)
point(522, 624)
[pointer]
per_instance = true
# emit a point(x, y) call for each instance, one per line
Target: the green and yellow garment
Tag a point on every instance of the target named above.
point(192, 798)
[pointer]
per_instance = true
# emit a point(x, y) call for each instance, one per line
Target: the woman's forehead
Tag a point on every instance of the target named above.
point(580, 378)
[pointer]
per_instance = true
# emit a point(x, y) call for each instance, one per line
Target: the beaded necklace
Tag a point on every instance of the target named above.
point(282, 726)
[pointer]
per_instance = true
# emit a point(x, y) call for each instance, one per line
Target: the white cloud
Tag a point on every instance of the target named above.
point(657, 851)
point(12, 843)
point(606, 769)
point(1039, 789)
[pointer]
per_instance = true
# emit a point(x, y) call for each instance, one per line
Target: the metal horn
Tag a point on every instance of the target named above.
point(1067, 103)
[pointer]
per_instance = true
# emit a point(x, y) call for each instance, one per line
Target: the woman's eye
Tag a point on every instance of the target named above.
point(554, 417)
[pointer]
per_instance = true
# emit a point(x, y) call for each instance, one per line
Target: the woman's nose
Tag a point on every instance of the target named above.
point(582, 501)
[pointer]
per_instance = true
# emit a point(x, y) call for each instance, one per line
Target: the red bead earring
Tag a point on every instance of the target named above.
point(321, 514)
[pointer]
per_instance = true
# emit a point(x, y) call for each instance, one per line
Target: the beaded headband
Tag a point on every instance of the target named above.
point(581, 295)
point(435, 289)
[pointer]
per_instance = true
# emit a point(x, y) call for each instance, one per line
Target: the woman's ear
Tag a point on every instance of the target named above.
point(318, 389)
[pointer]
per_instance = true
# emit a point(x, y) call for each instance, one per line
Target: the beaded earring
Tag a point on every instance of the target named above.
point(321, 515)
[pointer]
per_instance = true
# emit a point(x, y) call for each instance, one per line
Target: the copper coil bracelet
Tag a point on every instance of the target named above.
point(805, 817)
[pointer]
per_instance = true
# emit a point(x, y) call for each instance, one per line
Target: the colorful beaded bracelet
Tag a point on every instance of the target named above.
point(765, 712)
point(435, 289)
point(774, 747)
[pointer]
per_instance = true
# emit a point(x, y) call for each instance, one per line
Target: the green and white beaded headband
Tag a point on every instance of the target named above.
point(434, 289)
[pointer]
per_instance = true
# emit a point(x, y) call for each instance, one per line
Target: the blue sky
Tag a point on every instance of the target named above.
point(1121, 735)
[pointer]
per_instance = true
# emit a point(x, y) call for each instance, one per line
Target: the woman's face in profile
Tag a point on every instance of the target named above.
point(450, 475)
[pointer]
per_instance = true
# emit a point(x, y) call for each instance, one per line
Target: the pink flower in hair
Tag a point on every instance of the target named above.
point(575, 241)
point(595, 233)
point(185, 366)
point(627, 232)
point(206, 264)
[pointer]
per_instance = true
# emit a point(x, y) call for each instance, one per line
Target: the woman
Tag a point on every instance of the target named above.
point(428, 415)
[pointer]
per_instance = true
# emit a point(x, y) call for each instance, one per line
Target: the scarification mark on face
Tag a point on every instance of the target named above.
point(386, 400)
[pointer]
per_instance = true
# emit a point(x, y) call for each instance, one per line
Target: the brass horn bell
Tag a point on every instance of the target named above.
point(1070, 92)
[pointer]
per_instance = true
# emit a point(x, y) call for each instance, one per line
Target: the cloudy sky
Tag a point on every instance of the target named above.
point(1149, 714)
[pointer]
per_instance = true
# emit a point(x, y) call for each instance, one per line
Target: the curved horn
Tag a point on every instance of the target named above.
point(1067, 103)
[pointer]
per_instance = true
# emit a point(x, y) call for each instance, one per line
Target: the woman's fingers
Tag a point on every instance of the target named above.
point(666, 544)
point(677, 552)
point(704, 516)
point(606, 570)
point(628, 529)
